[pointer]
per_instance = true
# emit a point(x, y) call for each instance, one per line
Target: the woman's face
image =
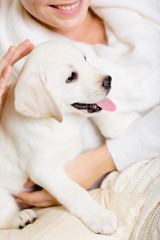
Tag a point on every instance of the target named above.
point(63, 15)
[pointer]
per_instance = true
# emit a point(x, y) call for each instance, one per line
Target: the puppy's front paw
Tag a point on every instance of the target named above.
point(24, 218)
point(103, 222)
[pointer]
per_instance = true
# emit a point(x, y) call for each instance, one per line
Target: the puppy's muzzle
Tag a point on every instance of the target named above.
point(91, 108)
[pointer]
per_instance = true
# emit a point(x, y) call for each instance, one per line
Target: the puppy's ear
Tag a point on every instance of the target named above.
point(33, 98)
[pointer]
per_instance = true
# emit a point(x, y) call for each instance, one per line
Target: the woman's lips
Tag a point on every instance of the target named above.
point(67, 9)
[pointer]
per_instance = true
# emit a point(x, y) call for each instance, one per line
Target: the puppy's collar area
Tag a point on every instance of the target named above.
point(91, 108)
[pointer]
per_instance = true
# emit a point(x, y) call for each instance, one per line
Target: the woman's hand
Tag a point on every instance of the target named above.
point(86, 169)
point(13, 55)
point(38, 198)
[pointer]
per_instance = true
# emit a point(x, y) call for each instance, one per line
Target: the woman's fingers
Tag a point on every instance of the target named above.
point(13, 55)
point(37, 199)
point(29, 184)
point(4, 80)
point(40, 198)
point(5, 61)
point(5, 76)
point(6, 70)
point(22, 50)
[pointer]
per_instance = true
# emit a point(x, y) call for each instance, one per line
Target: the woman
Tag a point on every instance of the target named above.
point(116, 47)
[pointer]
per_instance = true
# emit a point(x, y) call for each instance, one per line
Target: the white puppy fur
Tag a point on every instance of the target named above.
point(40, 131)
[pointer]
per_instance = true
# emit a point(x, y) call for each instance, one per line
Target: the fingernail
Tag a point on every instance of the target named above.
point(25, 185)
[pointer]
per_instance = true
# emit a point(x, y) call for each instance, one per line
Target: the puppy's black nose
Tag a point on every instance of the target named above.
point(107, 82)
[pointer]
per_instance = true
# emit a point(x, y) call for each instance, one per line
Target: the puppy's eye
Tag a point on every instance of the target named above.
point(85, 58)
point(72, 77)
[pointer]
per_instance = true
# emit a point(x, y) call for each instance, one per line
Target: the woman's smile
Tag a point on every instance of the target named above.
point(67, 8)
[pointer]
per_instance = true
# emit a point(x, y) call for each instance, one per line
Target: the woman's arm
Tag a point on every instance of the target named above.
point(90, 166)
point(140, 141)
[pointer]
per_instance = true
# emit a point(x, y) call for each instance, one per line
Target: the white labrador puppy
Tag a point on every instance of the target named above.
point(40, 131)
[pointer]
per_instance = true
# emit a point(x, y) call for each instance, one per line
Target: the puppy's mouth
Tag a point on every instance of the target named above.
point(91, 108)
point(105, 104)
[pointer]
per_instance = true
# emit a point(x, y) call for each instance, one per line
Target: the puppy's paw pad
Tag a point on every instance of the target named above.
point(104, 223)
point(24, 218)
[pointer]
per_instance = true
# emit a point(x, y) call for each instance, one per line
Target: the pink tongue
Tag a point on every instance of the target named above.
point(107, 105)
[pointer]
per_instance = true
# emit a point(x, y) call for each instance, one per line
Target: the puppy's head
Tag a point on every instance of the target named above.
point(56, 79)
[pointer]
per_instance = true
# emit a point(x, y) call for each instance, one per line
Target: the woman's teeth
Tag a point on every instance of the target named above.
point(67, 8)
